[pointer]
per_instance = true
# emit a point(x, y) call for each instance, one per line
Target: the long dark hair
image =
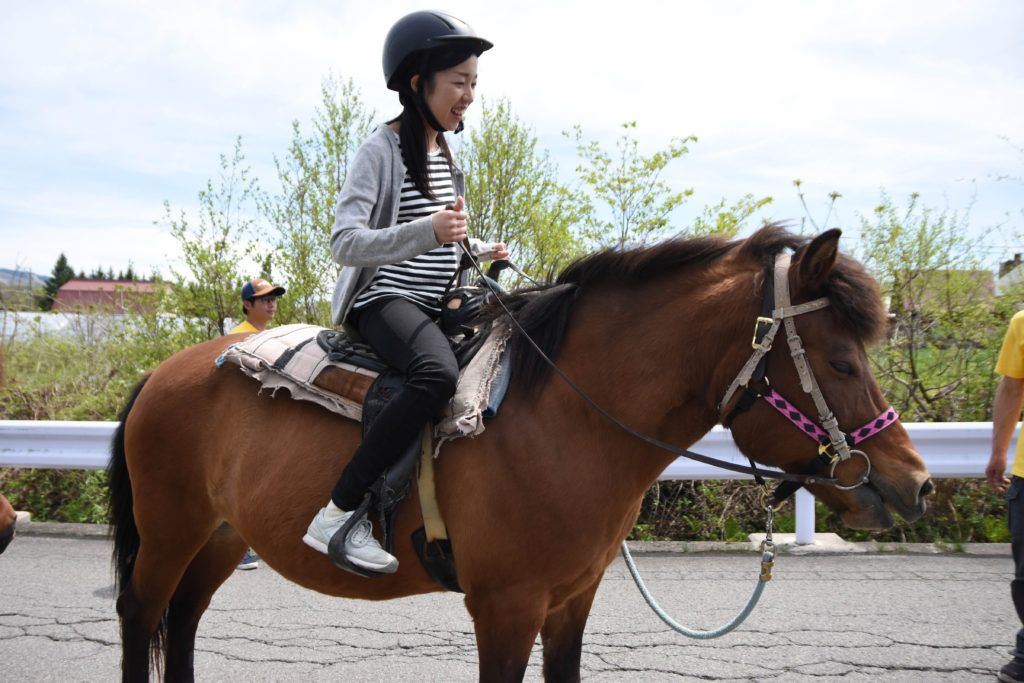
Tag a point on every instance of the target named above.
point(411, 133)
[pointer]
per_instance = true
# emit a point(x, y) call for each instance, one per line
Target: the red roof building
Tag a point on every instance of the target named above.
point(106, 296)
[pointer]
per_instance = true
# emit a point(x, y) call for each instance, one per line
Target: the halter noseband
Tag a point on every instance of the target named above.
point(827, 434)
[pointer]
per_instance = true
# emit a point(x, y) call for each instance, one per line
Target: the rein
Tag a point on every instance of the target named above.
point(762, 345)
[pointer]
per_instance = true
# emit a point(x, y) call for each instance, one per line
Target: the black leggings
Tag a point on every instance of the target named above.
point(410, 341)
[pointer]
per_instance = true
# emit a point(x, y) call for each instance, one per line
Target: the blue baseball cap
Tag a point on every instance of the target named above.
point(259, 287)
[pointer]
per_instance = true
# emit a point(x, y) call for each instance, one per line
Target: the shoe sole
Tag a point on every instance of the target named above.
point(249, 565)
point(315, 544)
point(387, 568)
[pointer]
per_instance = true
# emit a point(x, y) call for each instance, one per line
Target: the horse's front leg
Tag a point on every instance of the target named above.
point(506, 623)
point(562, 637)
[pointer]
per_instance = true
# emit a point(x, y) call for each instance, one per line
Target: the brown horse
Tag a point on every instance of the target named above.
point(536, 507)
point(8, 519)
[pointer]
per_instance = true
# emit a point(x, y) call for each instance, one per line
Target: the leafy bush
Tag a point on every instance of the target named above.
point(960, 511)
point(83, 372)
point(57, 495)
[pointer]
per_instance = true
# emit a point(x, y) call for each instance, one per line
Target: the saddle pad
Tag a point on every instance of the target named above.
point(289, 357)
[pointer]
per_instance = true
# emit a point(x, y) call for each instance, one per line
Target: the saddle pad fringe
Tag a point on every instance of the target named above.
point(482, 386)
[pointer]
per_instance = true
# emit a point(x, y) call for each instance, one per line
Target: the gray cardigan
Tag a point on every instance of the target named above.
point(366, 235)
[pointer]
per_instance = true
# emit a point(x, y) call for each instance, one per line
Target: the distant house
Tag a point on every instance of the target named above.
point(1010, 275)
point(107, 296)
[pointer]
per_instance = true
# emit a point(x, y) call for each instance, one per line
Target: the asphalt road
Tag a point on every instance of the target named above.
point(826, 616)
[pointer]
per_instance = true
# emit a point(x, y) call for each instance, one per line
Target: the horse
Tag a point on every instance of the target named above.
point(204, 466)
point(8, 520)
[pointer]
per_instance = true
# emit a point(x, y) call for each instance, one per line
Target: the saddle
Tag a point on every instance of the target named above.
point(345, 376)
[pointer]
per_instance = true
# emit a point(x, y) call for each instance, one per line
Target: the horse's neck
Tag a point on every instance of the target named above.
point(661, 357)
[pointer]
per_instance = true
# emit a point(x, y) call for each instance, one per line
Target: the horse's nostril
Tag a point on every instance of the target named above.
point(927, 488)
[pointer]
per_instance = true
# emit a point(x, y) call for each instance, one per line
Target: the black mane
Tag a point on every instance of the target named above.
point(544, 311)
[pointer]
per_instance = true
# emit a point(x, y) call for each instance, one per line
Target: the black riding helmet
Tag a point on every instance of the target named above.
point(422, 31)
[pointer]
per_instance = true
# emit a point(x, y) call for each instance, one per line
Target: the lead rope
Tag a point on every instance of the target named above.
point(767, 562)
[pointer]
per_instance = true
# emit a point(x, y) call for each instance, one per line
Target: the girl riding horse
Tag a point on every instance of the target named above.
point(400, 217)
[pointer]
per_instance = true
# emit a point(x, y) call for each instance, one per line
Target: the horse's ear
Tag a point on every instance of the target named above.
point(817, 259)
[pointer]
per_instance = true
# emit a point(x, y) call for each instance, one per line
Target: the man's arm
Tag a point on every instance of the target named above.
point(1005, 413)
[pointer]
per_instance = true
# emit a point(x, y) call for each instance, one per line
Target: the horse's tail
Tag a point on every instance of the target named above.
point(119, 487)
point(122, 518)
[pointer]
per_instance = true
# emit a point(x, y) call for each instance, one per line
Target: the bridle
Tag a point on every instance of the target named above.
point(752, 374)
point(834, 446)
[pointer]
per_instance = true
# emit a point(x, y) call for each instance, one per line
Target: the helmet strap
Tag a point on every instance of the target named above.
point(428, 116)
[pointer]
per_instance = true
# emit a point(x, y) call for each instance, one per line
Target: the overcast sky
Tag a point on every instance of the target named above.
point(110, 107)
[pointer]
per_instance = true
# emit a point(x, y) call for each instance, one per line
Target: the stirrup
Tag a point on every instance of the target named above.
point(336, 546)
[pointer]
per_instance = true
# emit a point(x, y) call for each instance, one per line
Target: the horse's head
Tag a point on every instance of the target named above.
point(865, 448)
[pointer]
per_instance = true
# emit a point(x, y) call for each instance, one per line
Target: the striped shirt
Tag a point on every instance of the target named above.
point(421, 279)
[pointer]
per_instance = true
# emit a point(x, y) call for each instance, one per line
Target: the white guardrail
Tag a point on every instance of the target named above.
point(950, 449)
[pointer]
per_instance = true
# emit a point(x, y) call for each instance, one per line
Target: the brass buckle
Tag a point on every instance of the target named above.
point(823, 449)
point(761, 320)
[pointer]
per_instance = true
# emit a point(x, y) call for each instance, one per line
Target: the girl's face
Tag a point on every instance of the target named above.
point(451, 92)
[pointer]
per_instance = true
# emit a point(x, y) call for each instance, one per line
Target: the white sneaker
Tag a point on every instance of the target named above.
point(361, 548)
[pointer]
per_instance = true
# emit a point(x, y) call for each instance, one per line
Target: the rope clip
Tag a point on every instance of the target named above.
point(767, 560)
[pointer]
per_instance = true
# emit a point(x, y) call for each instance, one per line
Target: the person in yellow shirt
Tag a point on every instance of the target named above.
point(1006, 409)
point(259, 304)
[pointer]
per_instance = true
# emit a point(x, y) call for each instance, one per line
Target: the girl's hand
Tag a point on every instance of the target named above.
point(490, 251)
point(450, 224)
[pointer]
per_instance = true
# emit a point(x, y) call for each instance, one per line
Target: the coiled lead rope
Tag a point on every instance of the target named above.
point(767, 562)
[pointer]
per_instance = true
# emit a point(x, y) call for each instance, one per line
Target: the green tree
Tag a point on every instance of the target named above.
point(727, 220)
point(513, 193)
point(61, 273)
point(302, 216)
point(214, 249)
point(630, 186)
point(935, 364)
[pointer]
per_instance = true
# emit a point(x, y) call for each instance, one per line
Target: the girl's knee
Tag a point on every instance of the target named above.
point(435, 378)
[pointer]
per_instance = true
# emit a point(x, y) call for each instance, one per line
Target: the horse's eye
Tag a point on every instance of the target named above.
point(842, 367)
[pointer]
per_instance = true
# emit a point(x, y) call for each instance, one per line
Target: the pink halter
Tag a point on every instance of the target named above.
point(811, 428)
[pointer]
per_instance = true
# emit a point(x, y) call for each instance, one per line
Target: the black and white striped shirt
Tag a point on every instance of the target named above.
point(421, 279)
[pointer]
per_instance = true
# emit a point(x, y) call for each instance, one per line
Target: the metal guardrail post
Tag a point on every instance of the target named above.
point(804, 517)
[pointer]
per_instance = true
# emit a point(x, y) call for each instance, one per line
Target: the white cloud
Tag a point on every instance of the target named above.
point(107, 107)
